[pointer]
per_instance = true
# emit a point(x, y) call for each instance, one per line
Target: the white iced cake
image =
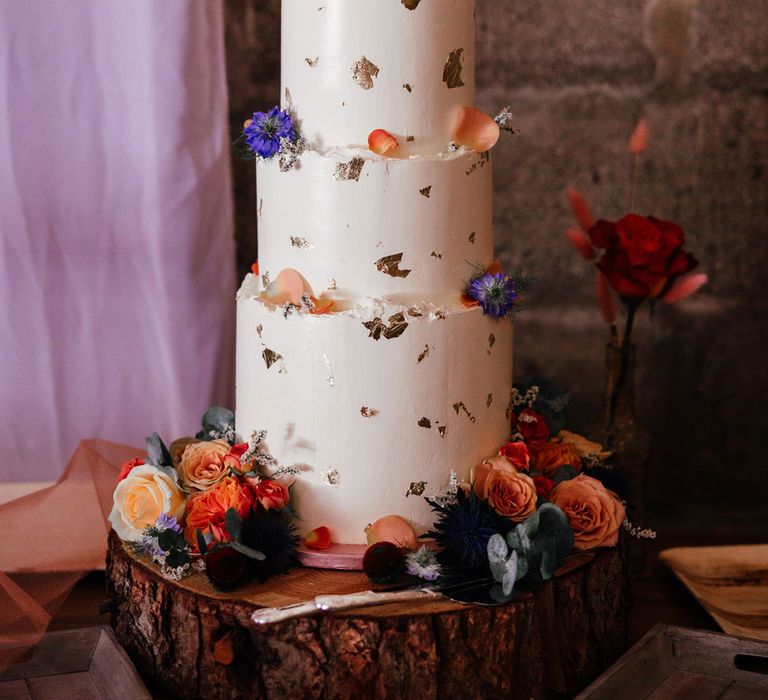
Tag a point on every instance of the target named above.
point(400, 382)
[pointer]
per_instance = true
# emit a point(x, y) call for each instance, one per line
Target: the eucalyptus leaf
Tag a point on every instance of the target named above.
point(252, 553)
point(510, 574)
point(218, 419)
point(497, 556)
point(202, 545)
point(234, 524)
point(157, 452)
point(497, 593)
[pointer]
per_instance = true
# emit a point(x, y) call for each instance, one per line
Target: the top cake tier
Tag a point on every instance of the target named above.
point(352, 66)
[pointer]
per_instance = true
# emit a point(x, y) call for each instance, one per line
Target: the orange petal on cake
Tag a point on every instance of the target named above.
point(381, 142)
point(255, 268)
point(319, 538)
point(476, 130)
point(322, 306)
point(495, 268)
point(392, 528)
point(288, 286)
point(468, 301)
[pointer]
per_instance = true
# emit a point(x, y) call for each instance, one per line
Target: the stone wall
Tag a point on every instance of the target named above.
point(578, 75)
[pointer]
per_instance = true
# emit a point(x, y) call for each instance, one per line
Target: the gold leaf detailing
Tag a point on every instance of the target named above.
point(426, 191)
point(349, 171)
point(491, 343)
point(425, 423)
point(489, 401)
point(439, 256)
point(461, 407)
point(390, 265)
point(270, 357)
point(479, 163)
point(416, 488)
point(472, 238)
point(395, 328)
point(411, 4)
point(259, 329)
point(442, 430)
point(366, 412)
point(331, 477)
point(303, 243)
point(363, 73)
point(414, 312)
point(452, 70)
point(423, 355)
point(410, 138)
point(312, 62)
point(408, 87)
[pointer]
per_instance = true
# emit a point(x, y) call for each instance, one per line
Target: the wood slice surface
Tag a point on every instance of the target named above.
point(198, 642)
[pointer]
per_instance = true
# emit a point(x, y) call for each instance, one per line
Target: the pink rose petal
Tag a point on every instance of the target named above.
point(288, 286)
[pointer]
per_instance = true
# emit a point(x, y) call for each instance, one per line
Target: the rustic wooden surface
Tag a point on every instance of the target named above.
point(197, 642)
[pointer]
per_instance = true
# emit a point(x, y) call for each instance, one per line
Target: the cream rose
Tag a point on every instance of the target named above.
point(141, 498)
point(594, 512)
point(202, 464)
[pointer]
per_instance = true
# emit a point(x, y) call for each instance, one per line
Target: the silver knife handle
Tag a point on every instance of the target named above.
point(330, 603)
point(267, 616)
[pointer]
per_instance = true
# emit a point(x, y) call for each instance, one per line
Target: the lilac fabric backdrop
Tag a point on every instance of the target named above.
point(117, 253)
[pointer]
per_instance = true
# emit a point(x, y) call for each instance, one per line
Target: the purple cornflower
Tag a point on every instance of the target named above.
point(167, 522)
point(265, 131)
point(495, 292)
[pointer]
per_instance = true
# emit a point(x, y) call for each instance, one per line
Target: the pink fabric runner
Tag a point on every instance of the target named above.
point(51, 538)
point(117, 275)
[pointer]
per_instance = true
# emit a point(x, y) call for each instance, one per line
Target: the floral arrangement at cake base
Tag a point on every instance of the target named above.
point(205, 502)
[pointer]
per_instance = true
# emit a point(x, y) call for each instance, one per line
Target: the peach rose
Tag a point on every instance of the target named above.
point(141, 497)
point(511, 495)
point(583, 447)
point(202, 464)
point(207, 510)
point(546, 457)
point(177, 448)
point(594, 512)
point(479, 474)
point(271, 494)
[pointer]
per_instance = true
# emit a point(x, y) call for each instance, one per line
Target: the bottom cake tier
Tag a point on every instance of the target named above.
point(374, 404)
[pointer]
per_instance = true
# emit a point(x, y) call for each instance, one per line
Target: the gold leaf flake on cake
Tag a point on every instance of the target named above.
point(270, 357)
point(390, 265)
point(302, 243)
point(363, 73)
point(489, 401)
point(410, 138)
point(265, 279)
point(350, 170)
point(414, 312)
point(408, 87)
point(439, 256)
point(259, 329)
point(416, 488)
point(312, 62)
point(329, 371)
point(261, 206)
point(459, 406)
point(452, 70)
point(426, 191)
point(491, 343)
point(331, 477)
point(472, 237)
point(439, 315)
point(424, 354)
point(482, 159)
point(442, 430)
point(410, 4)
point(366, 412)
point(393, 329)
point(510, 407)
point(425, 423)
point(332, 284)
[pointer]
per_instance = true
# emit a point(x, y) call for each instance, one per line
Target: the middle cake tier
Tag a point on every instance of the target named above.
point(404, 230)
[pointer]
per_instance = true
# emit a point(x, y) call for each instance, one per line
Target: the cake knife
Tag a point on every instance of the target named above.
point(346, 601)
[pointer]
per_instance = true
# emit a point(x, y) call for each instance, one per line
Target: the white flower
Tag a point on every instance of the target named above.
point(423, 563)
point(141, 497)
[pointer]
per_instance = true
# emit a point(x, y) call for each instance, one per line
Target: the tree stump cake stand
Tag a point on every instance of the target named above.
point(197, 642)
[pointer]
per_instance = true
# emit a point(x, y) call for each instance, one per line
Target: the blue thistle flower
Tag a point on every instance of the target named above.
point(463, 529)
point(497, 293)
point(264, 133)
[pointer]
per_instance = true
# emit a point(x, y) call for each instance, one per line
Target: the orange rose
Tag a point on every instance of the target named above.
point(177, 448)
point(202, 464)
point(479, 474)
point(517, 453)
point(594, 512)
point(271, 494)
point(206, 511)
point(127, 467)
point(511, 495)
point(546, 457)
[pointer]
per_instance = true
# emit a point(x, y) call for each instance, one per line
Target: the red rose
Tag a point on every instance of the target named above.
point(271, 494)
point(643, 256)
point(543, 486)
point(530, 425)
point(126, 467)
point(517, 453)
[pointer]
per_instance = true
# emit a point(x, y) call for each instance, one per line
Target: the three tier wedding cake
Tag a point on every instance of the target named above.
point(383, 381)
